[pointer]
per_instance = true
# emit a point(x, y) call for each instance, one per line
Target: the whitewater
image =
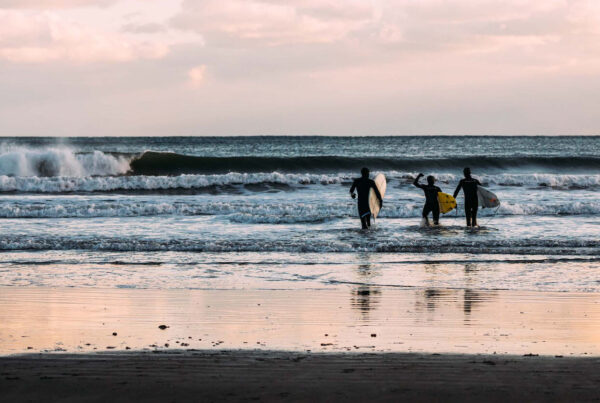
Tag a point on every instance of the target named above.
point(185, 200)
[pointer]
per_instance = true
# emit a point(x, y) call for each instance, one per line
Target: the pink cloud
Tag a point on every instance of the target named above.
point(46, 4)
point(272, 22)
point(28, 37)
point(197, 75)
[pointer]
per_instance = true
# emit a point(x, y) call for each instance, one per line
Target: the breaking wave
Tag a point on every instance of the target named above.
point(52, 162)
point(65, 162)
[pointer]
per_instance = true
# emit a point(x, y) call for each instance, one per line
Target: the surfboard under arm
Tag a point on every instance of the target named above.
point(381, 184)
point(447, 202)
point(487, 198)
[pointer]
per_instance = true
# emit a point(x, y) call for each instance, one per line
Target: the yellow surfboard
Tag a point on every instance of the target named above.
point(447, 202)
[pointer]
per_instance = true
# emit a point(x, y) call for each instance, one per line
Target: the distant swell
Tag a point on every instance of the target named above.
point(154, 163)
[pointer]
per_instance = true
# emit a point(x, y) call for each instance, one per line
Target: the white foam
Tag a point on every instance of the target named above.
point(256, 244)
point(111, 183)
point(516, 179)
point(252, 212)
point(61, 162)
point(99, 164)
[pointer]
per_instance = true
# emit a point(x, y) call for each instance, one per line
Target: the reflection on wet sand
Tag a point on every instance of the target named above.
point(390, 319)
point(365, 297)
point(432, 298)
point(471, 297)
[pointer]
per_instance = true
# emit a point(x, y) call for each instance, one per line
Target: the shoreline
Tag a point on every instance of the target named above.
point(234, 375)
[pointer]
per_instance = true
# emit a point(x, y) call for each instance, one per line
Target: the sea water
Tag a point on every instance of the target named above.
point(275, 213)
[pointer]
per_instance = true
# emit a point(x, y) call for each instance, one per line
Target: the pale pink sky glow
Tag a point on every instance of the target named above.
point(333, 67)
point(196, 75)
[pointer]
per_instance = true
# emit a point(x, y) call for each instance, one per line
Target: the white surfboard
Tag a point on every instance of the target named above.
point(373, 200)
point(487, 198)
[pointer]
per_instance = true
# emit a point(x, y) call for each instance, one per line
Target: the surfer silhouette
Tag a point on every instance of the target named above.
point(469, 187)
point(363, 185)
point(431, 199)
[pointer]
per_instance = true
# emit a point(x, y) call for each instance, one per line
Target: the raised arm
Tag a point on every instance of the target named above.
point(416, 182)
point(458, 189)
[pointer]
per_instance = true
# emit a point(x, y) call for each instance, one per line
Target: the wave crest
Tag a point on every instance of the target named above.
point(63, 162)
point(55, 162)
point(163, 163)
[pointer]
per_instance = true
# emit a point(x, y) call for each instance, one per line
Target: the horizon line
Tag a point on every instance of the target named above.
point(300, 135)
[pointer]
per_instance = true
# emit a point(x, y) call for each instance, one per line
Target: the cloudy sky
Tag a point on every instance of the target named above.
point(333, 67)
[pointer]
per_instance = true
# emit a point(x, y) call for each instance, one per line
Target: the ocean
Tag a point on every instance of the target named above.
point(274, 213)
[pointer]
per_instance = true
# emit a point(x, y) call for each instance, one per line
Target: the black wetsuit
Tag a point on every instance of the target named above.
point(432, 204)
point(363, 186)
point(469, 187)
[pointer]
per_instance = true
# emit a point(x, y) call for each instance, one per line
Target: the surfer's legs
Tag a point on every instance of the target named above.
point(436, 215)
point(426, 211)
point(471, 212)
point(365, 220)
point(468, 213)
point(435, 210)
point(474, 215)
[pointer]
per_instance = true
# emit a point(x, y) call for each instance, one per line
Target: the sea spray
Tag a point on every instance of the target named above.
point(53, 162)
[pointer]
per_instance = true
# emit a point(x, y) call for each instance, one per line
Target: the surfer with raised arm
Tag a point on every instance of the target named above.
point(469, 187)
point(363, 185)
point(431, 199)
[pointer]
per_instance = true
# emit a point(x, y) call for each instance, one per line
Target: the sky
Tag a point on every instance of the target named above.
point(299, 67)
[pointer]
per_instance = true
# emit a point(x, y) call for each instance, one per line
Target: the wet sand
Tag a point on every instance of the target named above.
point(276, 376)
point(352, 319)
point(356, 343)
